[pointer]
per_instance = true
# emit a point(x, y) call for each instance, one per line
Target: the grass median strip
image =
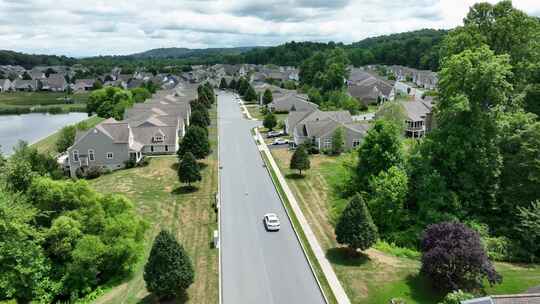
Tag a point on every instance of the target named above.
point(305, 244)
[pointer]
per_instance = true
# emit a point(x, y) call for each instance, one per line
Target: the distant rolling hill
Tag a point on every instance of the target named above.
point(179, 53)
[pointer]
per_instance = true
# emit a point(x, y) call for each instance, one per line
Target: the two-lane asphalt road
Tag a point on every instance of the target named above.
point(257, 266)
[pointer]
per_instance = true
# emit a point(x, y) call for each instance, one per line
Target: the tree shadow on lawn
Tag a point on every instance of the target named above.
point(185, 190)
point(345, 257)
point(151, 299)
point(421, 289)
point(174, 166)
point(295, 176)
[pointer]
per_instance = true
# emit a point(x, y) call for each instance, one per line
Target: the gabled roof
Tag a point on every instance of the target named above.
point(417, 110)
point(315, 120)
point(118, 131)
point(145, 135)
point(292, 102)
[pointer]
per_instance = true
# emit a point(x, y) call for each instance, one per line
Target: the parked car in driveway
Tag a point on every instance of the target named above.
point(280, 141)
point(272, 134)
point(271, 222)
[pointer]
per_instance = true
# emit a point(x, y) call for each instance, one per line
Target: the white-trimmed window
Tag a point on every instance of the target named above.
point(109, 155)
point(166, 148)
point(75, 155)
point(151, 148)
point(328, 143)
point(355, 143)
point(91, 155)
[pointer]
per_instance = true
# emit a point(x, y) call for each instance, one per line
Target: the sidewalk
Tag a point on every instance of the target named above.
point(327, 269)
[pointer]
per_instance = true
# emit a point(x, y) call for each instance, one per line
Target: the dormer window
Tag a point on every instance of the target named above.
point(158, 138)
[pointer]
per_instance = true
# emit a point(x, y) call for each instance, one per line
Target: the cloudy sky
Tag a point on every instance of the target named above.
point(96, 27)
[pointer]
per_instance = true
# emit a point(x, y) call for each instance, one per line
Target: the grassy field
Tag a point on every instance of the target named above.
point(24, 102)
point(161, 200)
point(255, 112)
point(39, 98)
point(378, 275)
point(48, 144)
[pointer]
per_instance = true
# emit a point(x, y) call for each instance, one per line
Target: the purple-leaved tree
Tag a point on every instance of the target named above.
point(453, 258)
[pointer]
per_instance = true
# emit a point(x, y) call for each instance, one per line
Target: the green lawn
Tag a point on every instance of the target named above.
point(48, 144)
point(379, 275)
point(255, 112)
point(162, 201)
point(25, 102)
point(39, 98)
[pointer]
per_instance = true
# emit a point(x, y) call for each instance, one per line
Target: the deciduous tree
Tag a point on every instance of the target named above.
point(188, 169)
point(270, 121)
point(300, 159)
point(195, 141)
point(453, 258)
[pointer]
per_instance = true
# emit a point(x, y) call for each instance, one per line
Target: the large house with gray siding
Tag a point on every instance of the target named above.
point(150, 128)
point(318, 127)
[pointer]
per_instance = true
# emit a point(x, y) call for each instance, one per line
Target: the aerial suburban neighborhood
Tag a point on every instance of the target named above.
point(239, 152)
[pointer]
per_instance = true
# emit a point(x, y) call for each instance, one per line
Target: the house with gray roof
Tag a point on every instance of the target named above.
point(317, 128)
point(532, 298)
point(419, 117)
point(368, 88)
point(84, 85)
point(109, 145)
point(54, 83)
point(291, 102)
point(153, 127)
point(5, 85)
point(25, 85)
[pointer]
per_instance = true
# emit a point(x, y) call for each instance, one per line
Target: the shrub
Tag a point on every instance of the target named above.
point(130, 163)
point(93, 172)
point(455, 297)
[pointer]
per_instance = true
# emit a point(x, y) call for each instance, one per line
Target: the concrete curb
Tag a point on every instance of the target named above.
point(218, 205)
point(327, 269)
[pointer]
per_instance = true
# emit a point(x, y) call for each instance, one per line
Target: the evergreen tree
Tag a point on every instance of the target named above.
point(250, 95)
point(232, 84)
point(200, 118)
point(195, 141)
point(270, 121)
point(338, 141)
point(355, 228)
point(267, 97)
point(243, 86)
point(169, 271)
point(300, 159)
point(223, 84)
point(188, 169)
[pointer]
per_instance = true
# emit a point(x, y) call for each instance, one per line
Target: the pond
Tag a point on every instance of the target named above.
point(32, 127)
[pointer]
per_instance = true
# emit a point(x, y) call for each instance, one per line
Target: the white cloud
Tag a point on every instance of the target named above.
point(87, 28)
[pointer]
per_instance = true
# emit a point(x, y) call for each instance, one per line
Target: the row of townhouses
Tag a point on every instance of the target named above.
point(154, 127)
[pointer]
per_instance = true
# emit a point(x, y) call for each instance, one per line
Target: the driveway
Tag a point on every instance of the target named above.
point(257, 266)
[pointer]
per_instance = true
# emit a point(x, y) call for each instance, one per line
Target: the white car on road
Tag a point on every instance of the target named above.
point(280, 141)
point(271, 222)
